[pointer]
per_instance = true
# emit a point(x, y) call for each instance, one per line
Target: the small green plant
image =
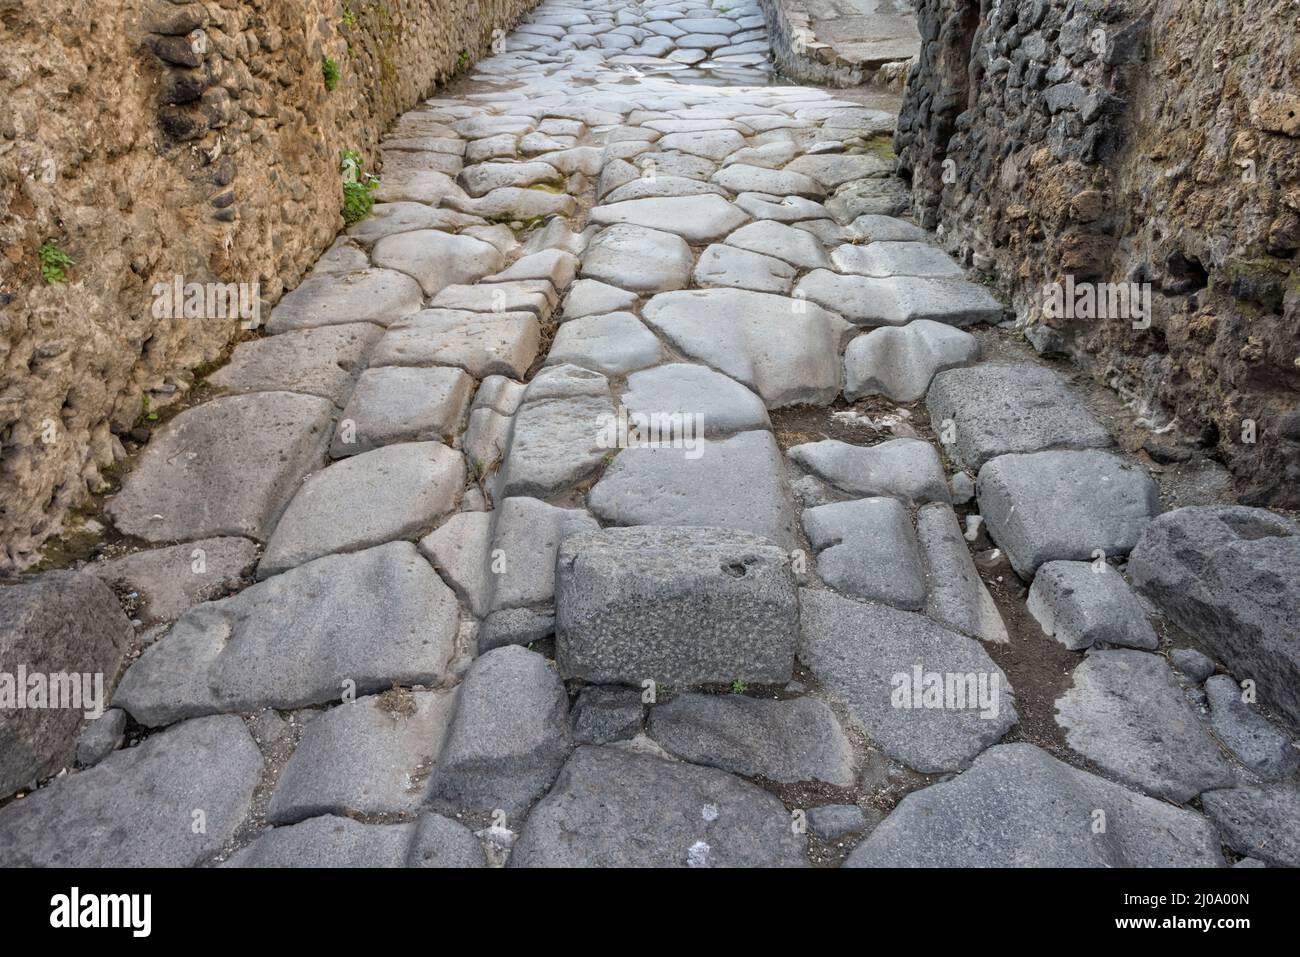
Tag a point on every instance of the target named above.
point(54, 263)
point(357, 187)
point(146, 410)
point(349, 18)
point(462, 61)
point(330, 70)
point(738, 686)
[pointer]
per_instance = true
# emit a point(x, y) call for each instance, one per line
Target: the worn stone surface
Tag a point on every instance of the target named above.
point(1018, 806)
point(1081, 604)
point(380, 296)
point(54, 623)
point(900, 362)
point(246, 452)
point(867, 655)
point(1230, 576)
point(605, 713)
point(884, 259)
point(785, 741)
point(394, 404)
point(615, 344)
point(1127, 714)
point(956, 595)
point(641, 260)
point(780, 241)
point(328, 841)
point(1263, 822)
point(136, 808)
point(898, 300)
point(482, 344)
point(101, 737)
point(867, 548)
point(690, 390)
point(616, 808)
point(682, 606)
point(1259, 745)
point(907, 469)
point(164, 583)
point(321, 361)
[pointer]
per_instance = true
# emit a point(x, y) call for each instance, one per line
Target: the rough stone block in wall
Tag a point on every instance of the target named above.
point(1147, 141)
point(146, 150)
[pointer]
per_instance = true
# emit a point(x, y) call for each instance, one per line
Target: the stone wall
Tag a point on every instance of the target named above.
point(1147, 141)
point(150, 139)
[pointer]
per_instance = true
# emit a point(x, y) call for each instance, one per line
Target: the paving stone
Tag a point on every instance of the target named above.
point(390, 493)
point(638, 259)
point(956, 596)
point(883, 259)
point(416, 186)
point(715, 145)
point(696, 219)
point(394, 404)
point(557, 440)
point(605, 713)
point(389, 218)
point(782, 242)
point(769, 155)
point(1053, 506)
point(686, 389)
point(515, 626)
point(482, 178)
point(785, 741)
point(1230, 577)
point(1018, 806)
point(370, 618)
point(615, 808)
point(1263, 821)
point(1080, 607)
point(482, 344)
point(370, 756)
point(742, 269)
point(615, 344)
point(733, 483)
point(136, 807)
point(1127, 714)
point(320, 361)
point(380, 296)
point(437, 259)
point(512, 203)
point(590, 297)
point(676, 164)
point(835, 169)
point(886, 229)
point(898, 300)
point(246, 452)
point(1257, 744)
point(867, 548)
point(790, 209)
point(166, 582)
point(784, 350)
point(431, 841)
point(643, 187)
point(682, 606)
point(996, 409)
point(492, 147)
point(509, 736)
point(556, 266)
point(527, 295)
point(831, 822)
point(900, 362)
point(741, 178)
point(906, 469)
point(1192, 663)
point(880, 196)
point(895, 671)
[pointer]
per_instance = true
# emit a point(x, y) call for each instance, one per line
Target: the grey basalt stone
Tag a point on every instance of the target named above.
point(729, 266)
point(1260, 746)
point(899, 363)
point(136, 807)
point(696, 219)
point(509, 736)
point(780, 241)
point(1081, 606)
point(785, 741)
point(1018, 806)
point(101, 737)
point(867, 548)
point(681, 606)
point(605, 713)
point(373, 755)
point(381, 296)
point(1127, 714)
point(1190, 662)
point(689, 390)
point(639, 260)
point(1230, 577)
point(1065, 506)
point(591, 297)
point(394, 404)
point(906, 469)
point(169, 581)
point(361, 621)
point(868, 656)
point(615, 808)
point(393, 492)
point(614, 344)
point(831, 822)
point(246, 452)
point(1263, 821)
point(996, 408)
point(956, 595)
point(328, 841)
point(483, 344)
point(321, 361)
point(56, 623)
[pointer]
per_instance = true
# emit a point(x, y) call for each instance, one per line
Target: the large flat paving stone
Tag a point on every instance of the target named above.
point(1128, 715)
point(322, 361)
point(1262, 822)
point(926, 695)
point(169, 581)
point(696, 219)
point(394, 404)
point(1053, 506)
point(785, 350)
point(995, 409)
point(616, 808)
point(1018, 806)
point(1230, 577)
point(53, 623)
point(785, 741)
point(1257, 743)
point(246, 453)
point(906, 469)
point(682, 606)
point(381, 296)
point(867, 548)
point(957, 596)
point(836, 169)
point(730, 266)
point(899, 362)
point(483, 344)
point(689, 390)
point(509, 736)
point(373, 755)
point(898, 300)
point(1082, 604)
point(436, 259)
point(884, 259)
point(329, 841)
point(615, 344)
point(770, 238)
point(344, 623)
point(638, 259)
point(734, 483)
point(394, 492)
point(137, 807)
